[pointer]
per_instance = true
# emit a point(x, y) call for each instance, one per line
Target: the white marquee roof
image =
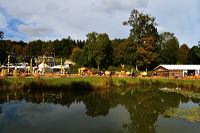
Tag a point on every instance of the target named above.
point(180, 67)
point(42, 65)
point(59, 67)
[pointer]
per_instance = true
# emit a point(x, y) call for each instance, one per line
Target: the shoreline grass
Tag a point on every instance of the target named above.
point(95, 83)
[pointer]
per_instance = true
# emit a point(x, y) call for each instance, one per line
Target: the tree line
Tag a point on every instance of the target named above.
point(144, 48)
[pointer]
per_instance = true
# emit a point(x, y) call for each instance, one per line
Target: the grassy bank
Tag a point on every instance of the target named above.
point(95, 83)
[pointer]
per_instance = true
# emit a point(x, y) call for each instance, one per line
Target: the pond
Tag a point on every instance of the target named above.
point(136, 110)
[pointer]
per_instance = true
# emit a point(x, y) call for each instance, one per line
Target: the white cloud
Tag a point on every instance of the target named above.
point(161, 29)
point(179, 17)
point(3, 21)
point(66, 17)
point(47, 19)
point(120, 5)
point(35, 30)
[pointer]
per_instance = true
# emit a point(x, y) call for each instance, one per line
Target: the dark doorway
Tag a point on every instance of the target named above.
point(191, 72)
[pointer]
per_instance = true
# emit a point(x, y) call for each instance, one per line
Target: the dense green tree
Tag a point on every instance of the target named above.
point(183, 54)
point(97, 51)
point(88, 50)
point(80, 43)
point(5, 47)
point(22, 43)
point(1, 35)
point(76, 56)
point(144, 34)
point(124, 53)
point(104, 51)
point(194, 55)
point(146, 53)
point(35, 48)
point(64, 47)
point(24, 51)
point(49, 49)
point(169, 48)
point(56, 44)
point(10, 47)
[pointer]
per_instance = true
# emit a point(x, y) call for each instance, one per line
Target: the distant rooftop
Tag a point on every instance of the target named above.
point(180, 67)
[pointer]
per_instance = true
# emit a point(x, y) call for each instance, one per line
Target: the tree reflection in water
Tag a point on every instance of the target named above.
point(0, 110)
point(143, 104)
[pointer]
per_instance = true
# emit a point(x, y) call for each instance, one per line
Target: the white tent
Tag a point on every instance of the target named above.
point(56, 67)
point(44, 66)
point(59, 67)
point(20, 67)
point(69, 62)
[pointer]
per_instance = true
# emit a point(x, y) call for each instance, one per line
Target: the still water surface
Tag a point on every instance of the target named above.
point(118, 111)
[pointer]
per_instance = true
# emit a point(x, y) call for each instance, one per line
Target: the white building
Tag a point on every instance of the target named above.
point(178, 70)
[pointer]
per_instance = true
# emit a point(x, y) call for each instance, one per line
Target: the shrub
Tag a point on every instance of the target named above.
point(122, 82)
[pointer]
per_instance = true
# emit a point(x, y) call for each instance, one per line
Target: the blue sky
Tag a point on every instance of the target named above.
point(28, 20)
